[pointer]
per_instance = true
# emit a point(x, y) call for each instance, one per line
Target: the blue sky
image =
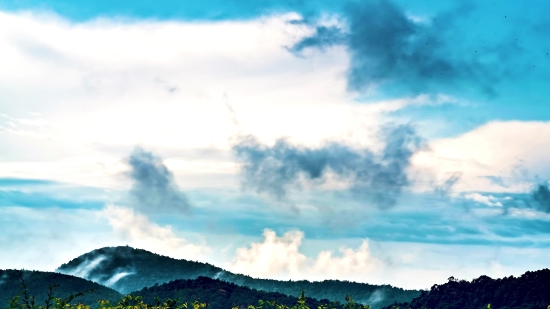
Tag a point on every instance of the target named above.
point(376, 141)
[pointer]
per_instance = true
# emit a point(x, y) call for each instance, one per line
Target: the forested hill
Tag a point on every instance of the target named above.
point(38, 282)
point(530, 291)
point(219, 294)
point(127, 269)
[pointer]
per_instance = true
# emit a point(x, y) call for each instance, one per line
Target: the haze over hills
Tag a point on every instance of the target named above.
point(38, 282)
point(126, 269)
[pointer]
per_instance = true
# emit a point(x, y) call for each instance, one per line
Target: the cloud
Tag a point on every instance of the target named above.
point(272, 256)
point(532, 204)
point(389, 46)
point(84, 269)
point(488, 200)
point(323, 37)
point(541, 196)
point(154, 189)
point(498, 156)
point(113, 280)
point(378, 178)
point(280, 257)
point(446, 187)
point(97, 268)
point(137, 231)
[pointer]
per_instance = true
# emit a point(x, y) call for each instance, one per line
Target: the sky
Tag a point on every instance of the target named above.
point(387, 142)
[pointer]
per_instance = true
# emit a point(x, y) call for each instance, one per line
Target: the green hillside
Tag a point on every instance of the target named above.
point(126, 269)
point(219, 294)
point(530, 291)
point(38, 282)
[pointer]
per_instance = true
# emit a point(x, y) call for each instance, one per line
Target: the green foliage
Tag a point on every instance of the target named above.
point(51, 302)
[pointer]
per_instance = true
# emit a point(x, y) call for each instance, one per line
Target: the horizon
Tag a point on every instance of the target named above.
point(371, 141)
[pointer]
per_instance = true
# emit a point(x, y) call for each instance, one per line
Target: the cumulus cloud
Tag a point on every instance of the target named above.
point(272, 256)
point(154, 189)
point(280, 257)
point(376, 178)
point(136, 230)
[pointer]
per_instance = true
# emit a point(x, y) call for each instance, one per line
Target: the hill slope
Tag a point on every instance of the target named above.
point(38, 282)
point(126, 269)
point(218, 294)
point(530, 291)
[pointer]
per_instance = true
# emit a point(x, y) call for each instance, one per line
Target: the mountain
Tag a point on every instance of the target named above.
point(126, 269)
point(530, 291)
point(38, 282)
point(218, 294)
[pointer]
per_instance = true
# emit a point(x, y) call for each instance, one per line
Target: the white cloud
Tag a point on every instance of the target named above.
point(279, 257)
point(488, 200)
point(166, 84)
point(117, 277)
point(515, 151)
point(137, 231)
point(83, 270)
point(401, 264)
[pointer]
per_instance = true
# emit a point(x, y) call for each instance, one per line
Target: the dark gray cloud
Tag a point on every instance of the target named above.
point(376, 178)
point(154, 189)
point(324, 37)
point(387, 47)
point(541, 197)
point(537, 199)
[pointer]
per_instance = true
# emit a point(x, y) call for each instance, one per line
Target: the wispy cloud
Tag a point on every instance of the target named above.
point(84, 269)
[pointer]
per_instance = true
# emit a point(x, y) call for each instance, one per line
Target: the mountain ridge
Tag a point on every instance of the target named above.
point(127, 269)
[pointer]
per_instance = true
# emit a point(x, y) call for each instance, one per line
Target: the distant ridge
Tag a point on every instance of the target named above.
point(38, 282)
point(126, 269)
point(529, 291)
point(219, 294)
